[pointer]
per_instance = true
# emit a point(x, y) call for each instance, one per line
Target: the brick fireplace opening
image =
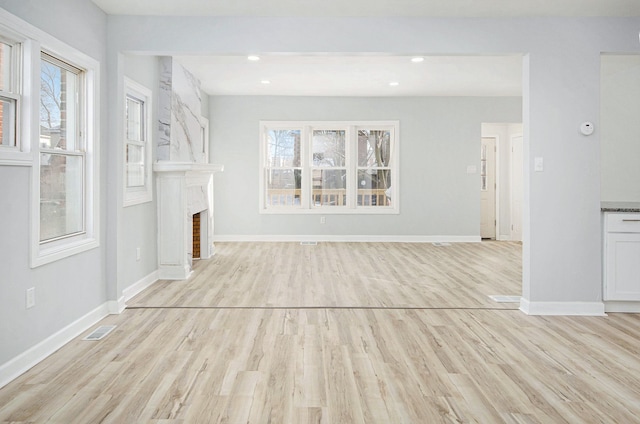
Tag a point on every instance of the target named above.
point(196, 236)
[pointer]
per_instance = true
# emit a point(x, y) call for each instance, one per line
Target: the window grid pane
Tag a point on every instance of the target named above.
point(7, 122)
point(135, 166)
point(61, 195)
point(329, 187)
point(284, 187)
point(284, 148)
point(59, 109)
point(6, 67)
point(328, 148)
point(135, 119)
point(374, 187)
point(374, 148)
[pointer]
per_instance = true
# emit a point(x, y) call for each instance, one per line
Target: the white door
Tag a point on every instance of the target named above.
point(517, 187)
point(488, 188)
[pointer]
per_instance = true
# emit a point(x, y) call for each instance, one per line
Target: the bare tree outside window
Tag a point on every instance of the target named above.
point(61, 158)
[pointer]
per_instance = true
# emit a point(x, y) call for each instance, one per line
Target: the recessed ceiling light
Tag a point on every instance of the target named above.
point(253, 58)
point(394, 83)
point(417, 59)
point(265, 82)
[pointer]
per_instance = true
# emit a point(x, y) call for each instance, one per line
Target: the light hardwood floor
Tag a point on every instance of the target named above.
point(244, 341)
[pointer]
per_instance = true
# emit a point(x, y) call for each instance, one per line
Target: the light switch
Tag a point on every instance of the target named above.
point(472, 169)
point(538, 164)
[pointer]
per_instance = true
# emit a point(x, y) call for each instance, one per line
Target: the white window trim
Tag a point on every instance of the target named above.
point(305, 127)
point(20, 154)
point(44, 253)
point(137, 195)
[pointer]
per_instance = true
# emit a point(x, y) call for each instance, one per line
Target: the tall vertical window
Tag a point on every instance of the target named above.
point(374, 167)
point(9, 93)
point(329, 167)
point(137, 149)
point(283, 170)
point(62, 150)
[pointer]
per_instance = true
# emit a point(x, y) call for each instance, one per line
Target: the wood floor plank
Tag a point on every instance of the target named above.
point(351, 349)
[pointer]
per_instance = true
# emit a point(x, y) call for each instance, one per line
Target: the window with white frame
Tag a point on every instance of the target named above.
point(50, 97)
point(10, 54)
point(62, 150)
point(66, 175)
point(329, 167)
point(137, 149)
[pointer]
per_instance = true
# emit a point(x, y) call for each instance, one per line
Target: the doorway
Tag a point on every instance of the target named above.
point(488, 188)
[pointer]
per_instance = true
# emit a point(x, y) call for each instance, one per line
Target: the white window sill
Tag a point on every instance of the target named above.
point(132, 199)
point(331, 211)
point(13, 157)
point(44, 254)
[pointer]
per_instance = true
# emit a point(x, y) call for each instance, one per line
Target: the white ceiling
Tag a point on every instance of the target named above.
point(364, 75)
point(363, 8)
point(361, 75)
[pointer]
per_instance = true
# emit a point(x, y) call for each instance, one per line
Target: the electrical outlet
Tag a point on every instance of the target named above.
point(31, 297)
point(323, 220)
point(138, 254)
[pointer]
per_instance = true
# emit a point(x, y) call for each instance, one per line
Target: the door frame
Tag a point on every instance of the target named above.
point(511, 191)
point(497, 177)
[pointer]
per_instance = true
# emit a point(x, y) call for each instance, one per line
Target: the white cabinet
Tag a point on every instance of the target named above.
point(621, 257)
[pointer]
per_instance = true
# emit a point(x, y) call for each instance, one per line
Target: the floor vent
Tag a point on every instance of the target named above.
point(100, 332)
point(308, 243)
point(441, 244)
point(505, 299)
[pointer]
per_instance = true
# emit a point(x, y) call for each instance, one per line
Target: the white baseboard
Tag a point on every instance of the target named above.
point(348, 238)
point(140, 285)
point(623, 307)
point(116, 306)
point(562, 308)
point(26, 360)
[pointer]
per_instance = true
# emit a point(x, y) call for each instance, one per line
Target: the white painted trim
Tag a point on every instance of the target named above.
point(137, 195)
point(53, 251)
point(18, 159)
point(511, 191)
point(116, 307)
point(349, 238)
point(562, 308)
point(351, 166)
point(174, 272)
point(622, 307)
point(12, 369)
point(140, 285)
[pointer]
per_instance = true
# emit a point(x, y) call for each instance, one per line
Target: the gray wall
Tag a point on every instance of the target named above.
point(561, 74)
point(138, 223)
point(620, 127)
point(66, 289)
point(439, 138)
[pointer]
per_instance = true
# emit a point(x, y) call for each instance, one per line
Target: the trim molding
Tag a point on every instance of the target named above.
point(15, 367)
point(116, 306)
point(562, 308)
point(621, 306)
point(349, 238)
point(139, 286)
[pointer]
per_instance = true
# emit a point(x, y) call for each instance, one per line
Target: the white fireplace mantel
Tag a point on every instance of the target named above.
point(184, 189)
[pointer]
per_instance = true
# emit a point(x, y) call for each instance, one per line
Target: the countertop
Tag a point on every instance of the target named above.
point(620, 206)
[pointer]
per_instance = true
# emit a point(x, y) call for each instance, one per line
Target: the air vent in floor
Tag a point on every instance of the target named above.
point(441, 244)
point(308, 243)
point(100, 332)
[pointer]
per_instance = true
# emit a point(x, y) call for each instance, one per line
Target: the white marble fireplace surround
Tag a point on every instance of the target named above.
point(184, 179)
point(184, 189)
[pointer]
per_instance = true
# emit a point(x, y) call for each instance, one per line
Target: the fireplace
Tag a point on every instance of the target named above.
point(184, 189)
